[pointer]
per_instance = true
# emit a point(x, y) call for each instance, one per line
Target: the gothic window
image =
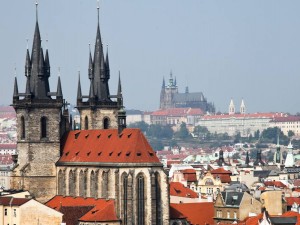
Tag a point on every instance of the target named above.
point(158, 199)
point(104, 185)
point(72, 183)
point(82, 184)
point(105, 123)
point(125, 197)
point(43, 127)
point(61, 183)
point(22, 127)
point(140, 199)
point(94, 185)
point(86, 123)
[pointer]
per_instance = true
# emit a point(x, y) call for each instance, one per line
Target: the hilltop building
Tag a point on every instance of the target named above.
point(171, 98)
point(103, 160)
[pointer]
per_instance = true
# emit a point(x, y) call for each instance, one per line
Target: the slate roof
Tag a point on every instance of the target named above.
point(107, 146)
point(232, 198)
point(195, 213)
point(188, 97)
point(11, 201)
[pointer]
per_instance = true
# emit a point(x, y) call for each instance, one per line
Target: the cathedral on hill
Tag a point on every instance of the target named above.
point(171, 98)
point(104, 160)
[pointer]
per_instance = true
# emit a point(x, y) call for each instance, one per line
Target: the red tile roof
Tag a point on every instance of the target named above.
point(101, 210)
point(290, 200)
point(274, 183)
point(107, 146)
point(178, 189)
point(221, 170)
point(195, 213)
point(11, 201)
point(251, 115)
point(286, 119)
point(225, 178)
point(189, 175)
point(178, 112)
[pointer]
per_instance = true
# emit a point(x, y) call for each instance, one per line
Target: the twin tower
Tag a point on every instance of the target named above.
point(43, 119)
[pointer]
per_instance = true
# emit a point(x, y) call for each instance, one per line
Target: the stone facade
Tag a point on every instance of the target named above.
point(110, 183)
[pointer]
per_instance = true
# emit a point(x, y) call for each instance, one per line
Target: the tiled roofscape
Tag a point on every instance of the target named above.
point(107, 146)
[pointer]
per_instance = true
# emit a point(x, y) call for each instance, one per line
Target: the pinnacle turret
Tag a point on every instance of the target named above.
point(16, 89)
point(59, 89)
point(27, 64)
point(79, 93)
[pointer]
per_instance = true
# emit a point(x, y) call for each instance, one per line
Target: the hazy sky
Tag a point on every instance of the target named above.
point(226, 48)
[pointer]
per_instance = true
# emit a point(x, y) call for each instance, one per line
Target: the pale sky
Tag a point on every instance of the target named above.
point(226, 49)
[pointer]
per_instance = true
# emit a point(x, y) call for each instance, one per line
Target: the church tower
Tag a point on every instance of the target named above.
point(167, 93)
point(40, 125)
point(98, 110)
point(231, 108)
point(243, 107)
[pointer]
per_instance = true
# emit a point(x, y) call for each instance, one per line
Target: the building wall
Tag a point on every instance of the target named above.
point(111, 187)
point(33, 212)
point(272, 201)
point(287, 126)
point(96, 118)
point(249, 205)
point(35, 170)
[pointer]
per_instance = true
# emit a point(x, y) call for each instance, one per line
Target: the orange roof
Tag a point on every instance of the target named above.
point(221, 170)
point(178, 189)
point(290, 200)
point(274, 183)
point(286, 119)
point(193, 212)
point(107, 146)
point(101, 210)
point(11, 201)
point(225, 178)
point(251, 115)
point(178, 112)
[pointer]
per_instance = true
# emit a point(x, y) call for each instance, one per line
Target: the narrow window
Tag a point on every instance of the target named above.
point(105, 123)
point(22, 127)
point(125, 185)
point(43, 127)
point(86, 123)
point(5, 212)
point(140, 200)
point(15, 212)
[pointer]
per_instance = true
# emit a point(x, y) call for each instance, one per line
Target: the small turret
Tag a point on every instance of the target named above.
point(79, 93)
point(59, 94)
point(231, 108)
point(16, 90)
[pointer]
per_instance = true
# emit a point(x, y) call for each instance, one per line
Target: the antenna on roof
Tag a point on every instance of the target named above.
point(36, 10)
point(98, 7)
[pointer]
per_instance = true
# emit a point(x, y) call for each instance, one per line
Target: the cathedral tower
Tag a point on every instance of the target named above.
point(98, 110)
point(40, 125)
point(243, 107)
point(231, 108)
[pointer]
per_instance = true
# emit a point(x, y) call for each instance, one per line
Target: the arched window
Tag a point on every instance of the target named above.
point(22, 127)
point(104, 184)
point(105, 123)
point(86, 123)
point(82, 184)
point(61, 183)
point(72, 183)
point(125, 197)
point(94, 185)
point(209, 182)
point(140, 199)
point(158, 199)
point(43, 127)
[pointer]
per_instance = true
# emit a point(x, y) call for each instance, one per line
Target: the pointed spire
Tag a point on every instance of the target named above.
point(47, 64)
point(79, 94)
point(120, 95)
point(175, 82)
point(16, 89)
point(92, 93)
point(163, 83)
point(247, 159)
point(59, 94)
point(27, 91)
point(41, 63)
point(107, 69)
point(27, 64)
point(90, 72)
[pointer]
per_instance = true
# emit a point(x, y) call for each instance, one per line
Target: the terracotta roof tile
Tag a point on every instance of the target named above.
point(100, 210)
point(221, 170)
point(108, 146)
point(178, 189)
point(290, 200)
point(251, 115)
point(192, 212)
point(7, 201)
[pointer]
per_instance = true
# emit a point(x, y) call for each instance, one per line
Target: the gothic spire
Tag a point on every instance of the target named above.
point(47, 64)
point(16, 89)
point(247, 159)
point(27, 64)
point(90, 72)
point(163, 83)
point(120, 95)
point(59, 90)
point(79, 94)
point(107, 70)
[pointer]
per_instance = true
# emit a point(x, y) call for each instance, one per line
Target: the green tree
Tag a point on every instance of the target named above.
point(183, 132)
point(237, 137)
point(291, 133)
point(270, 134)
point(156, 144)
point(141, 125)
point(256, 134)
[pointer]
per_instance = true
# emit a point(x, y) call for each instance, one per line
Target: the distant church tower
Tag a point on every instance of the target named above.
point(243, 107)
point(97, 110)
point(40, 125)
point(167, 93)
point(231, 108)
